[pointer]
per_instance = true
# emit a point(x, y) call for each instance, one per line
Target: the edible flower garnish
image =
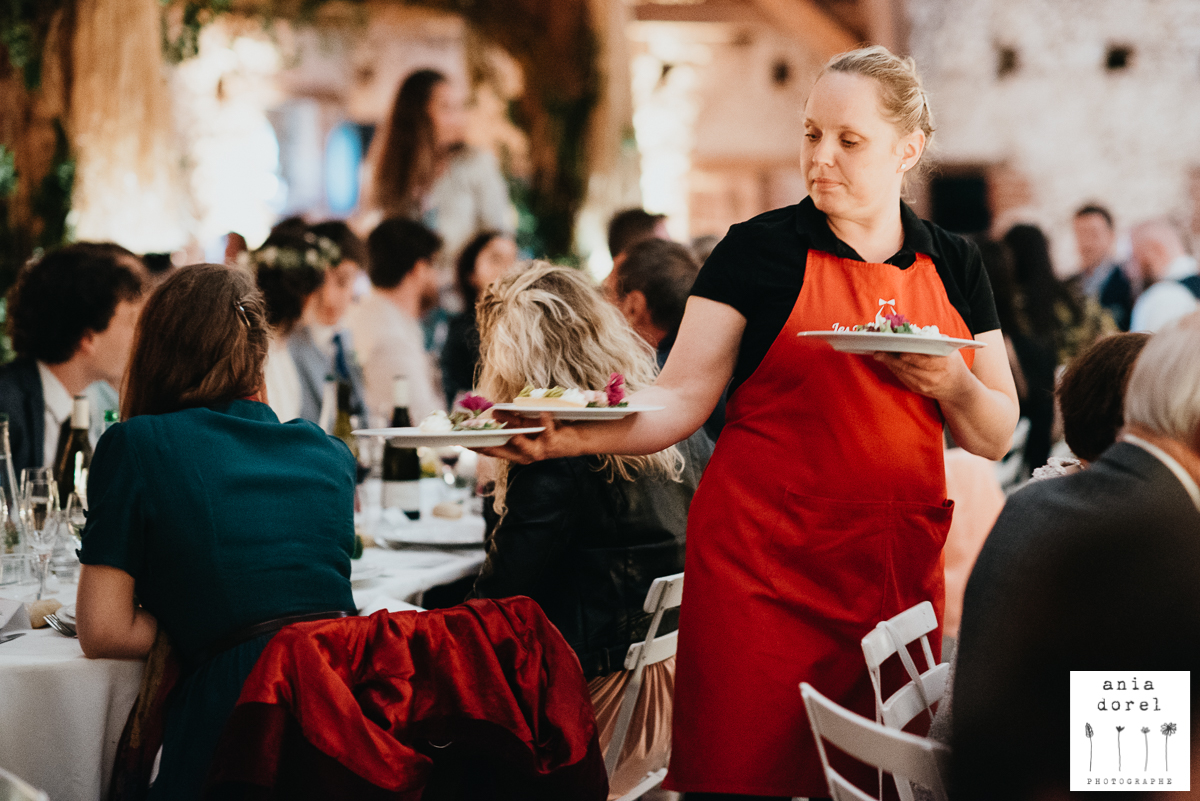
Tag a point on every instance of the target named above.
point(615, 389)
point(475, 403)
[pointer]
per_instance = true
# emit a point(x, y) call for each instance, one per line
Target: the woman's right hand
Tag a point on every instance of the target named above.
point(553, 443)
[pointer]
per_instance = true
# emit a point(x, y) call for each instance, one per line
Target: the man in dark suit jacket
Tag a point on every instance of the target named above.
point(1099, 570)
point(71, 316)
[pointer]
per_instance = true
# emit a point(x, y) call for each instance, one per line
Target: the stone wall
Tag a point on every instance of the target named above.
point(1051, 112)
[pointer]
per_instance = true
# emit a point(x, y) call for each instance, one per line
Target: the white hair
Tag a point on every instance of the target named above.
point(1164, 388)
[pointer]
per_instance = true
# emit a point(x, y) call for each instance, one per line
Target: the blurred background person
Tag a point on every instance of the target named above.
point(650, 286)
point(1101, 276)
point(321, 346)
point(585, 536)
point(485, 258)
point(702, 247)
point(289, 269)
point(425, 171)
point(628, 227)
point(223, 523)
point(1054, 325)
point(386, 324)
point(1172, 284)
point(71, 316)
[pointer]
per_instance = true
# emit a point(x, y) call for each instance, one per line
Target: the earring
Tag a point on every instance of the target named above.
point(903, 166)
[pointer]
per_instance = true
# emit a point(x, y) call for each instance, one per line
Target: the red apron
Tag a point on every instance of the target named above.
point(822, 512)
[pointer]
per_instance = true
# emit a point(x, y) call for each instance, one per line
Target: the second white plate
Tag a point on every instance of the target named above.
point(569, 413)
point(873, 342)
point(416, 438)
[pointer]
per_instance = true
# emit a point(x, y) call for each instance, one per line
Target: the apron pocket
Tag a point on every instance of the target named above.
point(914, 556)
point(831, 556)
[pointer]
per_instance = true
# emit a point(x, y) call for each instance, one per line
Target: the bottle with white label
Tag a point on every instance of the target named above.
point(401, 466)
point(74, 456)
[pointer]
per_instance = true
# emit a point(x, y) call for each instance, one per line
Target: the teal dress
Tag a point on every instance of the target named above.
point(225, 518)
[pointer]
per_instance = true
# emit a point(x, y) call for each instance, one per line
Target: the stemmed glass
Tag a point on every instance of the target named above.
point(38, 511)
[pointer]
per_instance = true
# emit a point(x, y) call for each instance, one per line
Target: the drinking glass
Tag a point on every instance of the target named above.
point(39, 517)
point(64, 561)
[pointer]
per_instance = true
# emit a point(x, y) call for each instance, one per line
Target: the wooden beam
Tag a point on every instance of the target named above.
point(705, 11)
point(808, 22)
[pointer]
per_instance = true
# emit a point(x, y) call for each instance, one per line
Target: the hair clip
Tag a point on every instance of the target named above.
point(242, 311)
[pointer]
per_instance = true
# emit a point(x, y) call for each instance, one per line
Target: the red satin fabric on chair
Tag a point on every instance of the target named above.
point(484, 701)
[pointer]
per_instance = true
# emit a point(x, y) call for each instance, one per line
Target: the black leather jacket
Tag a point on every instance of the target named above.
point(586, 549)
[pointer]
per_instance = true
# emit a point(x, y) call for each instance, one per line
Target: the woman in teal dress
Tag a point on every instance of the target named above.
point(208, 517)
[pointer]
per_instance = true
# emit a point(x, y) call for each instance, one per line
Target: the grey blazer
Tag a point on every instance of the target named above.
point(1098, 570)
point(313, 366)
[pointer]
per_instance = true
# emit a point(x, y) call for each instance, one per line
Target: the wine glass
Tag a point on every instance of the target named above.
point(38, 511)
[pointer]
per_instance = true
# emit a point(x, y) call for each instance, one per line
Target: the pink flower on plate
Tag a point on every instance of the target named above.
point(475, 404)
point(615, 389)
point(896, 320)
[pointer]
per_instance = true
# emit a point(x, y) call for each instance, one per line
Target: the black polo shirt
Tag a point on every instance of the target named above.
point(758, 269)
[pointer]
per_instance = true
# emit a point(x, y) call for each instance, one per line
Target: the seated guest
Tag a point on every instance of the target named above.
point(1172, 276)
point(219, 520)
point(71, 316)
point(650, 286)
point(584, 536)
point(1093, 571)
point(387, 323)
point(631, 226)
point(321, 346)
point(1101, 277)
point(1091, 398)
point(485, 258)
point(289, 268)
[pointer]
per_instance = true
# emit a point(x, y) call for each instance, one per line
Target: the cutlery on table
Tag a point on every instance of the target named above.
point(61, 626)
point(14, 635)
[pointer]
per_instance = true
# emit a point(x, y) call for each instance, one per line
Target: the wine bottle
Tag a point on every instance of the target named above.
point(111, 418)
point(401, 466)
point(74, 454)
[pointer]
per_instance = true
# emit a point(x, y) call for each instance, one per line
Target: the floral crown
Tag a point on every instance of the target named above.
point(319, 252)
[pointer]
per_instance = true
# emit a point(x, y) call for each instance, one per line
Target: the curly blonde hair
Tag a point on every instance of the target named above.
point(548, 326)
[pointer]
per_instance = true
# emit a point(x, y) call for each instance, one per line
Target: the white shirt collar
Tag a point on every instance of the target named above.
point(1175, 467)
point(58, 401)
point(1181, 267)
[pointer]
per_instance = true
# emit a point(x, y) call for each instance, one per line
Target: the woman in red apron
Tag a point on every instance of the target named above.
point(823, 509)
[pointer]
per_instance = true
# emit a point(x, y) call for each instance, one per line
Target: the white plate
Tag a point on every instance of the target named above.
point(67, 613)
point(872, 342)
point(568, 413)
point(416, 438)
point(466, 532)
point(360, 573)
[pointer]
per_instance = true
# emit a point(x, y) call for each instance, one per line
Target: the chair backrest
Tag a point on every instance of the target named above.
point(906, 756)
point(892, 637)
point(665, 593)
point(13, 789)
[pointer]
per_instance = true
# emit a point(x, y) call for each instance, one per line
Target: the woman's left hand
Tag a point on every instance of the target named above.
point(942, 378)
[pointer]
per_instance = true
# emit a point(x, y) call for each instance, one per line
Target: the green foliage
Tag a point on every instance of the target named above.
point(23, 28)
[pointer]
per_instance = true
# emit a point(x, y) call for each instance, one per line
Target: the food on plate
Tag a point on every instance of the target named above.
point(448, 510)
point(893, 324)
point(471, 414)
point(612, 395)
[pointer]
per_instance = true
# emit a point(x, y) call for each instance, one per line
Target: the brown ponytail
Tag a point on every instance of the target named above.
point(201, 340)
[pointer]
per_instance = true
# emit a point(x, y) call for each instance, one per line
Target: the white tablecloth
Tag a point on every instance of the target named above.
point(62, 714)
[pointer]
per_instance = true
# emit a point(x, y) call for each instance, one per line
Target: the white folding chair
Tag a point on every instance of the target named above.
point(907, 757)
point(925, 688)
point(665, 593)
point(13, 789)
